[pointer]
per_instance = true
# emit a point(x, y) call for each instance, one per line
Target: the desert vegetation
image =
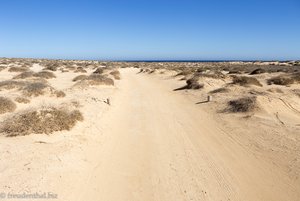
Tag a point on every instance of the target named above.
point(245, 104)
point(47, 121)
point(6, 105)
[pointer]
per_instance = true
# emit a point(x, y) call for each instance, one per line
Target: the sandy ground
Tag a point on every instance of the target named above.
point(151, 144)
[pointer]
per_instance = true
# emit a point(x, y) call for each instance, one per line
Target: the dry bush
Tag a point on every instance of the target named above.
point(44, 74)
point(245, 81)
point(80, 70)
point(115, 74)
point(12, 84)
point(51, 66)
point(96, 79)
point(29, 74)
point(219, 90)
point(24, 75)
point(184, 73)
point(17, 69)
point(281, 80)
point(2, 68)
point(79, 77)
point(22, 100)
point(60, 94)
point(191, 84)
point(98, 71)
point(6, 105)
point(35, 89)
point(40, 121)
point(246, 104)
point(257, 71)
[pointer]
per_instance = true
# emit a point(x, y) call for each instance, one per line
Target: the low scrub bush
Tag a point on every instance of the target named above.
point(246, 104)
point(79, 77)
point(245, 81)
point(40, 121)
point(6, 105)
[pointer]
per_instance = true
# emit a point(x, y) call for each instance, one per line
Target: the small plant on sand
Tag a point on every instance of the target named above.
point(60, 94)
point(80, 70)
point(35, 89)
point(191, 84)
point(40, 121)
point(98, 71)
point(44, 74)
point(115, 74)
point(79, 77)
point(96, 79)
point(257, 71)
point(24, 75)
point(17, 69)
point(12, 84)
point(246, 104)
point(245, 81)
point(6, 105)
point(281, 80)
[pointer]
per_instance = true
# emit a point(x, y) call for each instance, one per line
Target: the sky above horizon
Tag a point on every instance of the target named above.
point(151, 30)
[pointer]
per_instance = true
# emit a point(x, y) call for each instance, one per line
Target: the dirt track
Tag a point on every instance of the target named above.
point(160, 146)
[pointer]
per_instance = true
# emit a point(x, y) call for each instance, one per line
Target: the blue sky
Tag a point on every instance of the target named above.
point(153, 29)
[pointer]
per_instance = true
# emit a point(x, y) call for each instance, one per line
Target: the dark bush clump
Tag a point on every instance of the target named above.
point(257, 71)
point(245, 81)
point(245, 104)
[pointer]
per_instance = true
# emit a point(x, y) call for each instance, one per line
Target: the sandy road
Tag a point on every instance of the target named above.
point(160, 146)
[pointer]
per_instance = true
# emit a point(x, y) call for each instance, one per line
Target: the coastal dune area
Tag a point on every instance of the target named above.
point(144, 131)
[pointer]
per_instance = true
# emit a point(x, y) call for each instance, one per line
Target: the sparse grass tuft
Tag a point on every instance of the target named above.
point(246, 104)
point(40, 121)
point(245, 81)
point(6, 105)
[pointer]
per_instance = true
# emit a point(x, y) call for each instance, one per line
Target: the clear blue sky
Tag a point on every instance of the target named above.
point(152, 29)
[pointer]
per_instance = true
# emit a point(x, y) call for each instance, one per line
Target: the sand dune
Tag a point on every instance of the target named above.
point(153, 143)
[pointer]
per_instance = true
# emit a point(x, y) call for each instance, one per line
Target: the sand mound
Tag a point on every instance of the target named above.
point(40, 121)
